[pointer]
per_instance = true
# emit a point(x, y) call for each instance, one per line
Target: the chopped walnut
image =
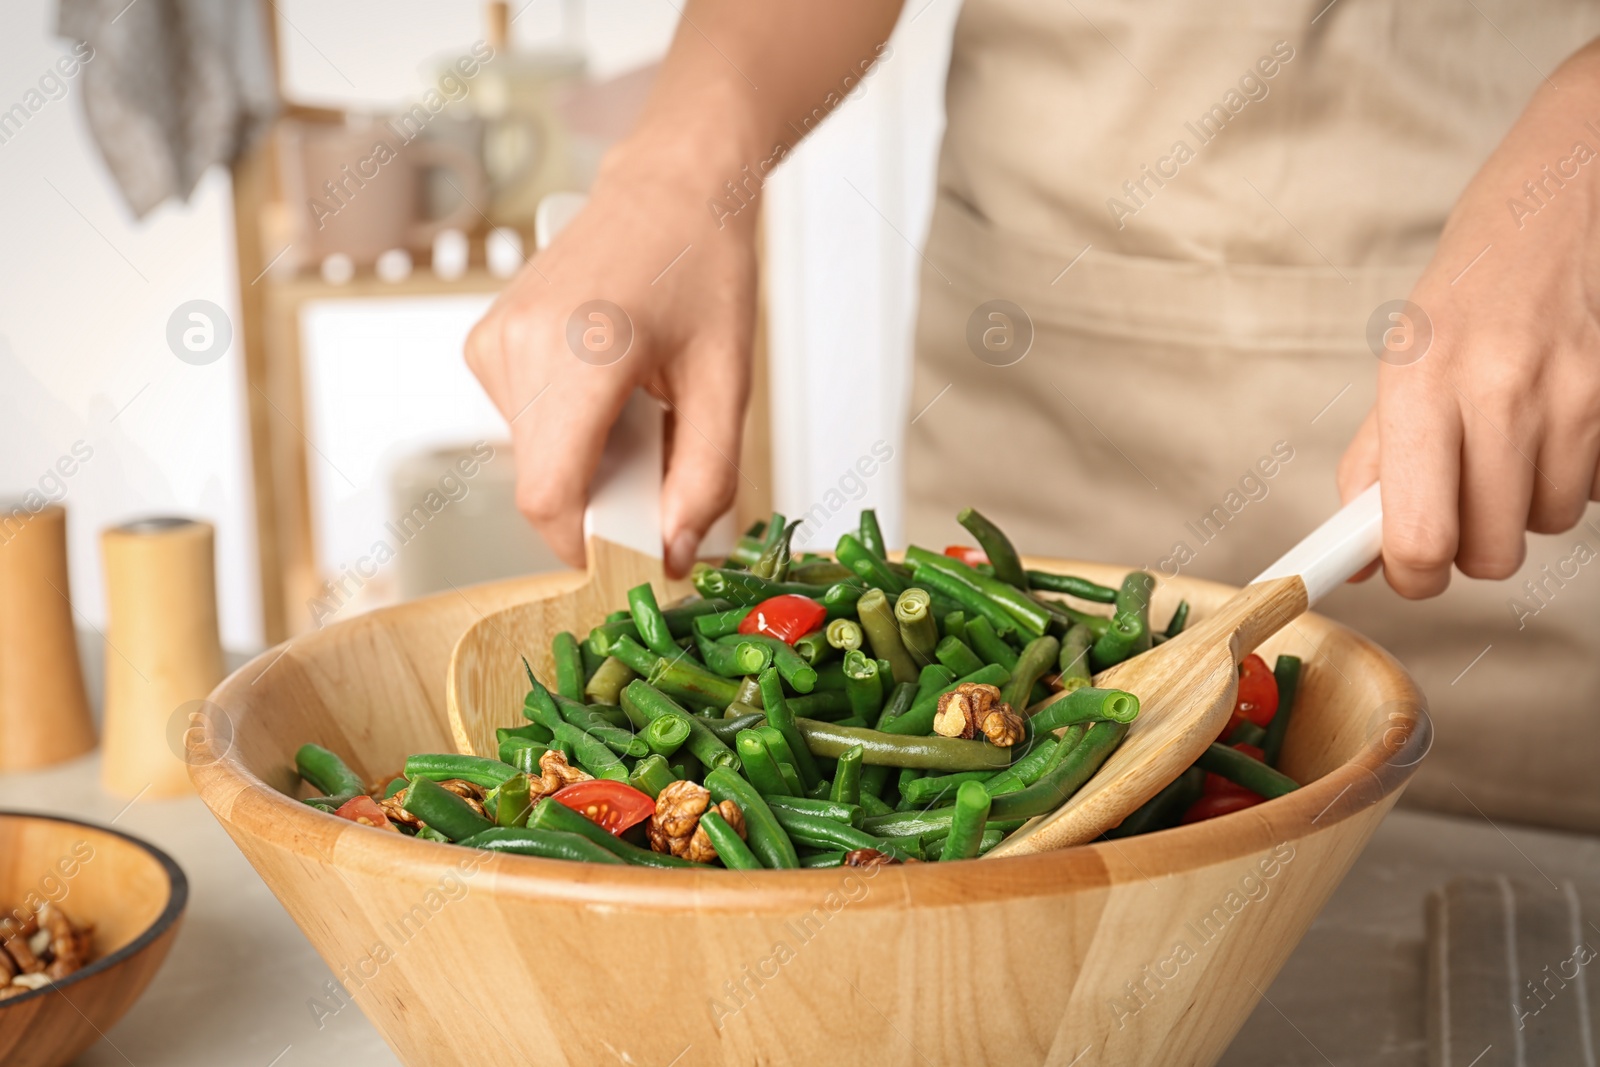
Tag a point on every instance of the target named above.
point(675, 827)
point(395, 808)
point(963, 708)
point(1003, 727)
point(471, 792)
point(556, 773)
point(27, 960)
point(39, 949)
point(868, 857)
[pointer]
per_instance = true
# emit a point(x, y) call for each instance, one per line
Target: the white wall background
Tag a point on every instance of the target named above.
point(85, 292)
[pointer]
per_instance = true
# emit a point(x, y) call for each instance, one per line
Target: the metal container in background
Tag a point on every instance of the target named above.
point(44, 707)
point(454, 520)
point(163, 652)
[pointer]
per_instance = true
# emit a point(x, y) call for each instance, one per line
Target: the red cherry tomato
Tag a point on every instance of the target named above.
point(1222, 804)
point(1218, 786)
point(613, 805)
point(788, 617)
point(966, 554)
point(1257, 701)
point(364, 810)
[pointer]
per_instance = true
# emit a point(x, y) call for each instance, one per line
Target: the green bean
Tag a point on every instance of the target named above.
point(972, 602)
point(927, 791)
point(765, 836)
point(848, 814)
point(396, 784)
point(1123, 639)
point(1027, 770)
point(822, 790)
point(746, 589)
point(847, 777)
point(957, 655)
point(817, 860)
point(869, 567)
point(591, 661)
point(829, 706)
point(327, 773)
point(883, 634)
point(1065, 615)
point(903, 782)
point(841, 598)
point(870, 804)
point(816, 832)
point(523, 754)
point(813, 648)
point(781, 716)
point(749, 694)
point(727, 729)
point(1085, 704)
point(758, 766)
point(1133, 598)
point(569, 665)
point(844, 634)
point(643, 701)
point(919, 720)
point(1028, 614)
point(1074, 658)
point(878, 748)
point(512, 801)
point(1081, 588)
point(967, 822)
point(548, 844)
point(783, 755)
point(800, 675)
point(551, 816)
point(997, 546)
point(592, 754)
point(602, 727)
point(863, 687)
point(667, 733)
point(684, 678)
point(605, 686)
point(733, 660)
point(1247, 733)
point(1246, 771)
point(774, 561)
point(820, 572)
point(443, 766)
point(681, 619)
point(721, 623)
point(532, 731)
point(933, 680)
point(441, 809)
point(772, 531)
point(651, 775)
point(730, 847)
point(1180, 618)
point(635, 656)
point(989, 646)
point(647, 617)
point(1066, 778)
point(918, 632)
point(871, 534)
point(1165, 808)
point(1038, 656)
point(1286, 671)
point(955, 625)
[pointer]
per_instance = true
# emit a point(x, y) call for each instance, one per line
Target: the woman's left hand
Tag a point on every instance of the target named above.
point(1492, 428)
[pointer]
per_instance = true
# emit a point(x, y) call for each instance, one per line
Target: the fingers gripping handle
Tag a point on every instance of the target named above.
point(1335, 551)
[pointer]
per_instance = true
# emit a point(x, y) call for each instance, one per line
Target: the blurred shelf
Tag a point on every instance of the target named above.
point(367, 286)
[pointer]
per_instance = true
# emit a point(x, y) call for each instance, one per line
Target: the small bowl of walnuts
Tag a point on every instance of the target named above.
point(87, 914)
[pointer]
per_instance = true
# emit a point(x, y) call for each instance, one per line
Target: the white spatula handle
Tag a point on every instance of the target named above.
point(1332, 553)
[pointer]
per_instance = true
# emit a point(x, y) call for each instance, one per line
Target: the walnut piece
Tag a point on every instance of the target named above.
point(868, 857)
point(675, 827)
point(971, 707)
point(556, 773)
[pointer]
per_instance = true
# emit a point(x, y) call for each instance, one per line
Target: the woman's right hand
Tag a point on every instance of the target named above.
point(682, 278)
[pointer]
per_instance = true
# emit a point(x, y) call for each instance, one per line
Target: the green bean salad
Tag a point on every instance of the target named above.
point(801, 711)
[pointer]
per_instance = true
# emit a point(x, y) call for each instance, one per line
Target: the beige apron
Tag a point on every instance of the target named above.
point(1198, 207)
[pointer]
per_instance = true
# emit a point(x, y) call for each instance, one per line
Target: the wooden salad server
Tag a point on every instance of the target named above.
point(1186, 687)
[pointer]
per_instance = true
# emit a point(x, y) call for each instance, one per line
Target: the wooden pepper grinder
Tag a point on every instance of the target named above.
point(162, 647)
point(44, 708)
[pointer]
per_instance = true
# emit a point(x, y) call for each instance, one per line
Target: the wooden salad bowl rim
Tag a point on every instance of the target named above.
point(246, 804)
point(171, 911)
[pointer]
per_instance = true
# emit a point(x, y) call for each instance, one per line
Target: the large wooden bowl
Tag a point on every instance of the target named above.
point(133, 894)
point(1150, 950)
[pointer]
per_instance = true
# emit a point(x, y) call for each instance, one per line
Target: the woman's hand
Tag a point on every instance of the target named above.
point(1495, 429)
point(646, 243)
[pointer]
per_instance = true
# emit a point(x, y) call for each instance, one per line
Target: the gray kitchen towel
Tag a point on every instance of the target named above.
point(175, 86)
point(1510, 981)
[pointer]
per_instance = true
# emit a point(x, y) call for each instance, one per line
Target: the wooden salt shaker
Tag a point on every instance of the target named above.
point(163, 651)
point(44, 707)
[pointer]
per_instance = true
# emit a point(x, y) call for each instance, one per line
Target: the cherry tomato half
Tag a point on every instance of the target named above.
point(613, 805)
point(1221, 804)
point(788, 617)
point(1218, 786)
point(364, 810)
point(1257, 701)
point(967, 554)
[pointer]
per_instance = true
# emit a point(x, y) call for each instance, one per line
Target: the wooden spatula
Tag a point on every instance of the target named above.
point(1186, 687)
